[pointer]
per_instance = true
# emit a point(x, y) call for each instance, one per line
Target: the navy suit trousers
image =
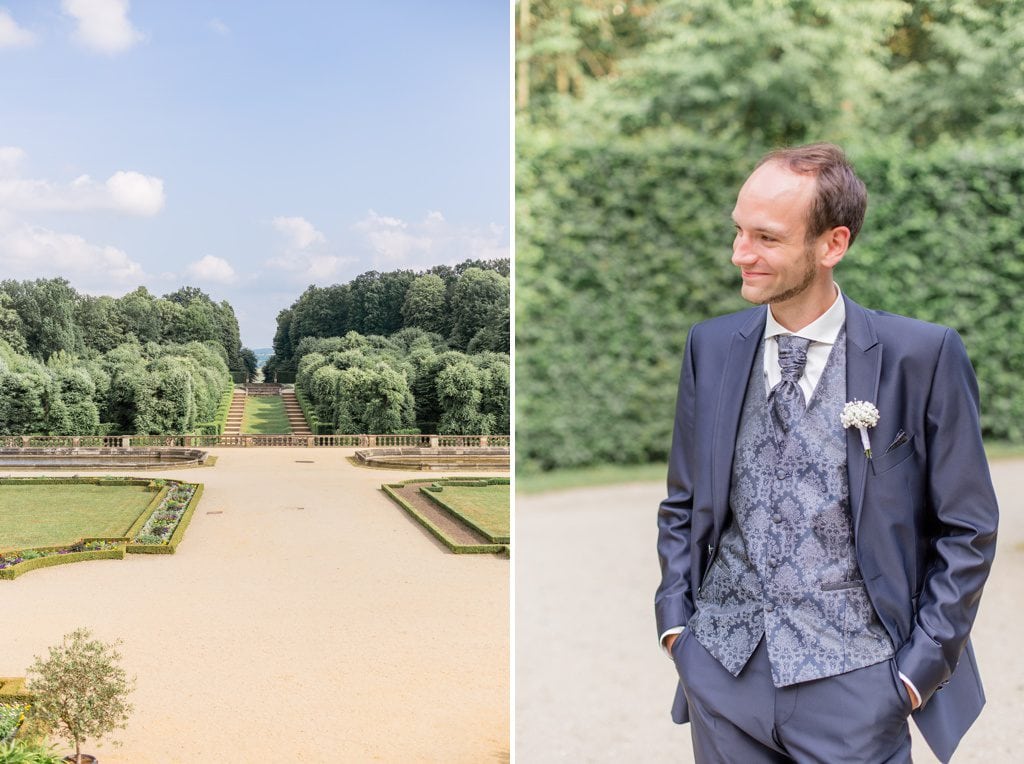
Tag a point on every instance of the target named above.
point(856, 717)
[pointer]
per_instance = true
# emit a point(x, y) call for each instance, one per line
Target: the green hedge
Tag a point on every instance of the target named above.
point(315, 425)
point(12, 690)
point(11, 573)
point(220, 420)
point(624, 242)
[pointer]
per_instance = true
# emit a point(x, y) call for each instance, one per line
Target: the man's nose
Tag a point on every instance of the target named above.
point(742, 252)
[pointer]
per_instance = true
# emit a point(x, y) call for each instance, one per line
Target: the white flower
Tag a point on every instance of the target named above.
point(860, 414)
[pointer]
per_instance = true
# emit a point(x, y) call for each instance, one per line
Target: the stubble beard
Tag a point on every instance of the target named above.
point(806, 279)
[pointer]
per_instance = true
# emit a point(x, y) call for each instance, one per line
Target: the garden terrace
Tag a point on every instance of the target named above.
point(240, 440)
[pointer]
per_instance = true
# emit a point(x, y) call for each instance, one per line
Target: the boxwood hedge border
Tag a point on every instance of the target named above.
point(453, 546)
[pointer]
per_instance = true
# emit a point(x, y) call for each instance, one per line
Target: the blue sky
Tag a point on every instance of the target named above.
point(250, 148)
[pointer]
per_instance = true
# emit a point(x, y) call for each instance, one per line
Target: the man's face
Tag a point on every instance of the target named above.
point(770, 248)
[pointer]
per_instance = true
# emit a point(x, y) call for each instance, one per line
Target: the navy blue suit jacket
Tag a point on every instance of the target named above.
point(924, 513)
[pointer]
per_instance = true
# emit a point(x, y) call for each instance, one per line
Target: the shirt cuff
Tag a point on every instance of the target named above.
point(674, 630)
point(915, 696)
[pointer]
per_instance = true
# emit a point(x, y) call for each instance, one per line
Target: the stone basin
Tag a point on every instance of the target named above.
point(99, 458)
point(412, 458)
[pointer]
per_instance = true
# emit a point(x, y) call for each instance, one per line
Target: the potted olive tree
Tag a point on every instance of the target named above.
point(80, 691)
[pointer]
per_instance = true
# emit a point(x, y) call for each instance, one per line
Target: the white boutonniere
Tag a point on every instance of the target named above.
point(862, 415)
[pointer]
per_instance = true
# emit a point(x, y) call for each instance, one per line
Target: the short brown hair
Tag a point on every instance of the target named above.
point(840, 197)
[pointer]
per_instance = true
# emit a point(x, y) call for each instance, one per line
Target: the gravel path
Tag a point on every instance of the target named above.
point(592, 685)
point(305, 618)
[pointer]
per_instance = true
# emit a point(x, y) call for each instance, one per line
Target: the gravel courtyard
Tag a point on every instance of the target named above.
point(305, 617)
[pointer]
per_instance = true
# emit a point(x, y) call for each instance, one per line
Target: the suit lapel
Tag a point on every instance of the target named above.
point(742, 351)
point(863, 371)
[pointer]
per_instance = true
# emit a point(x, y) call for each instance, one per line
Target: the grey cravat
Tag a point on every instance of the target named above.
point(786, 398)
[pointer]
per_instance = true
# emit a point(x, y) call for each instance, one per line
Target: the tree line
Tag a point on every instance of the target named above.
point(74, 364)
point(467, 305)
point(638, 121)
point(46, 316)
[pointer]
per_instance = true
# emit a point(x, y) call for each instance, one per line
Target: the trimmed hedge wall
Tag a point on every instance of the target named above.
point(220, 420)
point(12, 690)
point(11, 573)
point(315, 425)
point(623, 243)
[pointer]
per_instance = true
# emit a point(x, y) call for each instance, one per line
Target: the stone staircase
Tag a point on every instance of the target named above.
point(296, 420)
point(235, 413)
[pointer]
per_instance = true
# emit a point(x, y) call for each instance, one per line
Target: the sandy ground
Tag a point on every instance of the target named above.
point(304, 618)
point(592, 685)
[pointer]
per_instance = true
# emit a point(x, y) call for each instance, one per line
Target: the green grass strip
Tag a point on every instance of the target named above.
point(590, 477)
point(265, 415)
point(483, 507)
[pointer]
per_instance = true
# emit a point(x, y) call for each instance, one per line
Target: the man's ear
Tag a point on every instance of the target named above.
point(832, 245)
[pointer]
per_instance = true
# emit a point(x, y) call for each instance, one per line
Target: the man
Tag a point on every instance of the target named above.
point(820, 583)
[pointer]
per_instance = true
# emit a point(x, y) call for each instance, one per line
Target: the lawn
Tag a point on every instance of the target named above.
point(486, 506)
point(47, 515)
point(265, 415)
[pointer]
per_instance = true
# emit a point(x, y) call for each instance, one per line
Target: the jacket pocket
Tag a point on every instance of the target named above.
point(885, 462)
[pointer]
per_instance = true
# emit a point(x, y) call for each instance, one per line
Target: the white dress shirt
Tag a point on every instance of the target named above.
point(822, 332)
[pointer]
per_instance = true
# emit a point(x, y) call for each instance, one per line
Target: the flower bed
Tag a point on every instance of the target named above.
point(12, 716)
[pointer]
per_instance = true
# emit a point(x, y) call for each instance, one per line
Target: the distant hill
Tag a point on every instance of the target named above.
point(262, 354)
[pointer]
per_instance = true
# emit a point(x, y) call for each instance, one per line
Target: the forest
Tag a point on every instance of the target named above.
point(636, 123)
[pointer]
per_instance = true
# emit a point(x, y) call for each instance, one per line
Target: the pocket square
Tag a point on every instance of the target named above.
point(901, 438)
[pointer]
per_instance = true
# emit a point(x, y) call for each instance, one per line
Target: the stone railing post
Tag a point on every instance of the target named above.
point(435, 441)
point(126, 441)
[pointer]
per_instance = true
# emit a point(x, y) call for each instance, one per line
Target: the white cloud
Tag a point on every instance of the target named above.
point(301, 232)
point(396, 243)
point(136, 193)
point(12, 35)
point(306, 257)
point(32, 252)
point(212, 269)
point(127, 192)
point(103, 25)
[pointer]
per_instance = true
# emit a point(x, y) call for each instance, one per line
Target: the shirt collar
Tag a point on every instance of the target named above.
point(825, 328)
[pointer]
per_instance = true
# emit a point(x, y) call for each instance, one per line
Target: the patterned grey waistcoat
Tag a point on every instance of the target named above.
point(786, 568)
